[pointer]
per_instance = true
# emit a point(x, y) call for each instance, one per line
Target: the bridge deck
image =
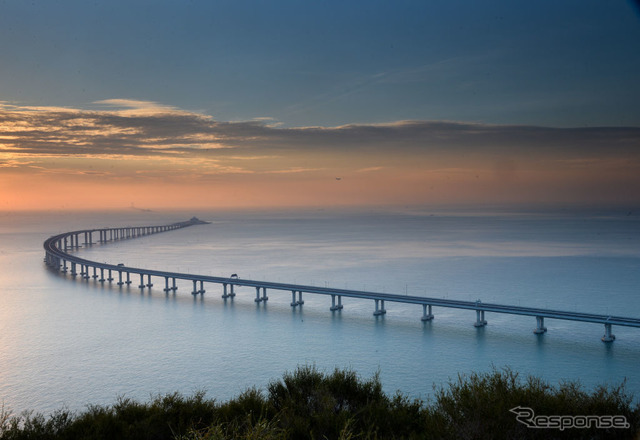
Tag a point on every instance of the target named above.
point(53, 251)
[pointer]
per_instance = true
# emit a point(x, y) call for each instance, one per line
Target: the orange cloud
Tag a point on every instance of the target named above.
point(160, 156)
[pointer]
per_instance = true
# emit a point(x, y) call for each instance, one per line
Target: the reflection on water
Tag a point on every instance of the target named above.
point(76, 342)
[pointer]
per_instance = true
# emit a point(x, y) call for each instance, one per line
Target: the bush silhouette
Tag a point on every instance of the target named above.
point(311, 404)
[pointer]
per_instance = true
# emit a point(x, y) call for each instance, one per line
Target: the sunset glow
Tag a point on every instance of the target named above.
point(109, 159)
point(439, 105)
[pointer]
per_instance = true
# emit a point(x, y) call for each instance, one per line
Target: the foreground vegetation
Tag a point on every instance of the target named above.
point(312, 404)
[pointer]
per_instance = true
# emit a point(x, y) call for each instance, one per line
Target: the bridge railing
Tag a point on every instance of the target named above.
point(58, 257)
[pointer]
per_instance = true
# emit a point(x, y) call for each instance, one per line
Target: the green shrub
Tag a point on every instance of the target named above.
point(473, 406)
point(311, 404)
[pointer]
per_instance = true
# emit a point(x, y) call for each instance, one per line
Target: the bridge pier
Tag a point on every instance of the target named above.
point(379, 310)
point(224, 291)
point(101, 275)
point(427, 314)
point(540, 328)
point(128, 282)
point(195, 288)
point(120, 283)
point(295, 303)
point(608, 337)
point(149, 283)
point(64, 266)
point(232, 294)
point(174, 287)
point(95, 275)
point(333, 303)
point(264, 294)
point(141, 285)
point(201, 291)
point(480, 321)
point(166, 284)
point(73, 269)
point(110, 278)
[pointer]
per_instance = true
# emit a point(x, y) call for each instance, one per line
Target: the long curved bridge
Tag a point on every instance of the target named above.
point(58, 257)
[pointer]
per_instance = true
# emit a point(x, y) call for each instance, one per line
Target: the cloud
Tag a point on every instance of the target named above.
point(131, 107)
point(150, 129)
point(369, 169)
point(294, 170)
point(145, 140)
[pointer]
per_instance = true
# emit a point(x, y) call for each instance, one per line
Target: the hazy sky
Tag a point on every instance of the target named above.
point(262, 103)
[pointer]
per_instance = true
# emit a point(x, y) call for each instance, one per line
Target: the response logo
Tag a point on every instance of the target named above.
point(527, 417)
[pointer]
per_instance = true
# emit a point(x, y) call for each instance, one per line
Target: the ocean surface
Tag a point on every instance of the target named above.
point(71, 343)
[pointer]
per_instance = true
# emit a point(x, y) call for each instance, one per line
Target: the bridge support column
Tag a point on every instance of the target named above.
point(258, 299)
point(224, 291)
point(294, 303)
point(86, 272)
point(300, 302)
point(73, 269)
point(232, 294)
point(379, 310)
point(64, 266)
point(95, 275)
point(480, 321)
point(141, 285)
point(101, 275)
point(608, 337)
point(195, 288)
point(110, 278)
point(120, 283)
point(427, 314)
point(174, 287)
point(335, 306)
point(540, 328)
point(149, 283)
point(128, 279)
point(166, 284)
point(201, 291)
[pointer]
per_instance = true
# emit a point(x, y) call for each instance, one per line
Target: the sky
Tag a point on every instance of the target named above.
point(205, 104)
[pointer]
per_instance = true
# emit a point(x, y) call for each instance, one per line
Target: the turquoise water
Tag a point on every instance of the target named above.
point(71, 343)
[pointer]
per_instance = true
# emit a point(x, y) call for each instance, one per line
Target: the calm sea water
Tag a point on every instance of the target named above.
point(71, 343)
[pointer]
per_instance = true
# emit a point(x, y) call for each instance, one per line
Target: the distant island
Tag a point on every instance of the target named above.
point(196, 221)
